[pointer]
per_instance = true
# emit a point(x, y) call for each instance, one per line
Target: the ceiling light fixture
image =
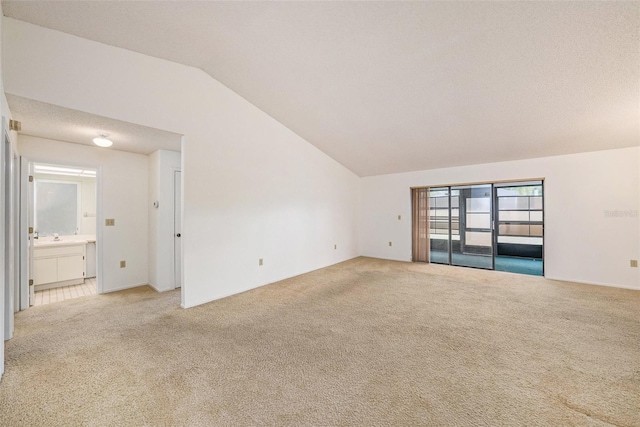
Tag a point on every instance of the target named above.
point(102, 141)
point(56, 170)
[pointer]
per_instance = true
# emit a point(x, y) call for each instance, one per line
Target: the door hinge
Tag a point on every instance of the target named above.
point(15, 125)
point(30, 230)
point(30, 178)
point(30, 282)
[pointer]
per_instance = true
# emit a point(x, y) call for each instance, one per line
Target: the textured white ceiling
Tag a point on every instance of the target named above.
point(387, 87)
point(63, 124)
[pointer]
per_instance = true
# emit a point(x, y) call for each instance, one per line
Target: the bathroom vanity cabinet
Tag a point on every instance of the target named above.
point(58, 264)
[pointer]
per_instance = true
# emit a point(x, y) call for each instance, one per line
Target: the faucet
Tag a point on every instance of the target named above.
point(56, 238)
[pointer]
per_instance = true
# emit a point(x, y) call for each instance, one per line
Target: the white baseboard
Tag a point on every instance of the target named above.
point(217, 297)
point(583, 282)
point(108, 291)
point(155, 288)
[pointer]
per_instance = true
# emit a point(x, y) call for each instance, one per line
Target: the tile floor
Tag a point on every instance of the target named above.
point(49, 296)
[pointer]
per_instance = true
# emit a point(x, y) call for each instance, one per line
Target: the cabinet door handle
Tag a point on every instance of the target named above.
point(178, 235)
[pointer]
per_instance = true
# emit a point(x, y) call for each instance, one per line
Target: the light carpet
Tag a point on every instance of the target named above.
point(363, 343)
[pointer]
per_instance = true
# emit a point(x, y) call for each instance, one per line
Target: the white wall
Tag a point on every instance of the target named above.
point(582, 244)
point(122, 195)
point(162, 165)
point(87, 224)
point(252, 188)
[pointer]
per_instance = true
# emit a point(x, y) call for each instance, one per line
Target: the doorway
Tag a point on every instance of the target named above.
point(62, 207)
point(494, 226)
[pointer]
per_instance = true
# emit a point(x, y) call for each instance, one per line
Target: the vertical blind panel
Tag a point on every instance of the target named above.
point(420, 221)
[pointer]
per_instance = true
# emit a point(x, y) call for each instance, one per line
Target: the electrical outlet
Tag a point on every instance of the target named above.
point(110, 222)
point(335, 246)
point(390, 244)
point(260, 261)
point(634, 263)
point(399, 217)
point(123, 264)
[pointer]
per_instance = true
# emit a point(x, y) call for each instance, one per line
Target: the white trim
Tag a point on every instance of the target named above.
point(392, 259)
point(584, 282)
point(155, 288)
point(265, 284)
point(2, 231)
point(183, 140)
point(24, 233)
point(8, 217)
point(159, 290)
point(124, 288)
point(579, 282)
point(173, 218)
point(99, 240)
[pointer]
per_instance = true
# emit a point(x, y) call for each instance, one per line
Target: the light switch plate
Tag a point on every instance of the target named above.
point(634, 263)
point(260, 262)
point(123, 264)
point(110, 222)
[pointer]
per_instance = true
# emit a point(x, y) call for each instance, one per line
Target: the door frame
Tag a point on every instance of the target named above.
point(26, 225)
point(25, 262)
point(496, 218)
point(9, 229)
point(178, 276)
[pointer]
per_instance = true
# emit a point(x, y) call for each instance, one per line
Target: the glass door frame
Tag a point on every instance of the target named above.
point(463, 216)
point(494, 218)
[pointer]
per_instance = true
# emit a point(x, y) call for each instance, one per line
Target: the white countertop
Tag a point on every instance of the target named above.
point(73, 239)
point(61, 242)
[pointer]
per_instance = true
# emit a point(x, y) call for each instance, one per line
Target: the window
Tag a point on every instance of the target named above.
point(57, 207)
point(520, 214)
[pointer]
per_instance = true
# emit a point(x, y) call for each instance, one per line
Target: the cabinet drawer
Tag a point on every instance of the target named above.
point(58, 251)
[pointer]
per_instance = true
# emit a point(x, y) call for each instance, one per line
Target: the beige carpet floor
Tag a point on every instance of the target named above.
point(362, 343)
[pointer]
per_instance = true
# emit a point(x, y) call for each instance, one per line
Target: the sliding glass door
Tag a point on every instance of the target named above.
point(520, 227)
point(474, 247)
point(490, 226)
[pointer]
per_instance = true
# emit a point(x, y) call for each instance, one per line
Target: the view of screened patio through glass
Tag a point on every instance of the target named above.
point(492, 226)
point(520, 227)
point(440, 224)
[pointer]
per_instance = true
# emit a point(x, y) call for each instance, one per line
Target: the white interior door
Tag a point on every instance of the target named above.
point(177, 228)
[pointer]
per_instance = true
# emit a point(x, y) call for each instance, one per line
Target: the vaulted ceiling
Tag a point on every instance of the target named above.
point(387, 87)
